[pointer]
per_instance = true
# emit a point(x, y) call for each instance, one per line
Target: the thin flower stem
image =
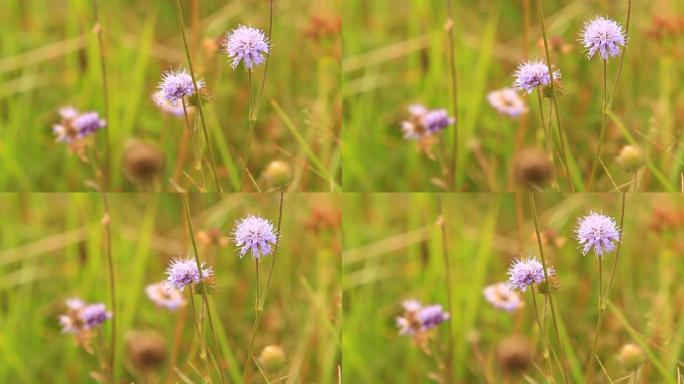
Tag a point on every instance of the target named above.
point(106, 178)
point(602, 310)
point(602, 134)
point(622, 56)
point(212, 165)
point(533, 206)
point(561, 134)
point(252, 120)
point(544, 336)
point(193, 145)
point(547, 135)
point(454, 91)
point(203, 290)
point(112, 286)
point(203, 348)
point(600, 267)
point(259, 308)
point(263, 79)
point(447, 274)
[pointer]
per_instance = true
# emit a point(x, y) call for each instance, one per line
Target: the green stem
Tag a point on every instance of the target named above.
point(602, 134)
point(454, 91)
point(212, 165)
point(251, 117)
point(547, 135)
point(602, 310)
point(259, 308)
point(203, 291)
point(447, 273)
point(105, 87)
point(561, 134)
point(196, 155)
point(203, 348)
point(533, 206)
point(112, 286)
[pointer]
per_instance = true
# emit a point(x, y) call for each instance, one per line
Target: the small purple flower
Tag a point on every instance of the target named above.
point(501, 296)
point(248, 45)
point(418, 318)
point(172, 107)
point(165, 295)
point(603, 35)
point(68, 112)
point(507, 102)
point(183, 272)
point(525, 272)
point(423, 122)
point(178, 84)
point(255, 234)
point(87, 123)
point(598, 232)
point(436, 120)
point(94, 315)
point(533, 74)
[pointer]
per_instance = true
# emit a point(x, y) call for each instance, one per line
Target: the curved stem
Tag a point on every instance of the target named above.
point(561, 134)
point(454, 92)
point(203, 290)
point(112, 286)
point(212, 165)
point(105, 87)
point(533, 206)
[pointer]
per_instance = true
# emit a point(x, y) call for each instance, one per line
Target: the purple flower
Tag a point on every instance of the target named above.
point(68, 112)
point(533, 74)
point(87, 123)
point(603, 35)
point(172, 107)
point(183, 272)
point(248, 45)
point(424, 122)
point(507, 102)
point(178, 84)
point(165, 295)
point(255, 234)
point(93, 315)
point(525, 272)
point(501, 296)
point(418, 318)
point(598, 232)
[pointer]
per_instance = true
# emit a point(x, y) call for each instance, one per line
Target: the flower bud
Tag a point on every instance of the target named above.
point(631, 157)
point(146, 349)
point(277, 174)
point(532, 167)
point(515, 353)
point(272, 357)
point(631, 356)
point(142, 162)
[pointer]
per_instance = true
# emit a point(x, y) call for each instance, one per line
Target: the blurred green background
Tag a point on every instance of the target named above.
point(49, 58)
point(393, 251)
point(398, 57)
point(52, 249)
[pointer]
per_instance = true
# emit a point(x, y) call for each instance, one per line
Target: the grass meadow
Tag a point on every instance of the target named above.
point(395, 58)
point(54, 248)
point(395, 249)
point(50, 58)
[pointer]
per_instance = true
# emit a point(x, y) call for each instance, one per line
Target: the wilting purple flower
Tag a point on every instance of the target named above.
point(248, 45)
point(172, 107)
point(533, 74)
point(418, 318)
point(165, 295)
point(525, 272)
point(424, 122)
point(603, 35)
point(178, 84)
point(255, 234)
point(501, 296)
point(93, 315)
point(87, 123)
point(507, 102)
point(598, 232)
point(183, 272)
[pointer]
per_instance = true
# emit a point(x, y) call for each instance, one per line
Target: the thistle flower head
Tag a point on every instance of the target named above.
point(525, 272)
point(255, 234)
point(94, 315)
point(598, 232)
point(533, 74)
point(604, 36)
point(178, 84)
point(87, 123)
point(164, 295)
point(174, 107)
point(248, 45)
point(507, 102)
point(81, 317)
point(183, 272)
point(501, 296)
